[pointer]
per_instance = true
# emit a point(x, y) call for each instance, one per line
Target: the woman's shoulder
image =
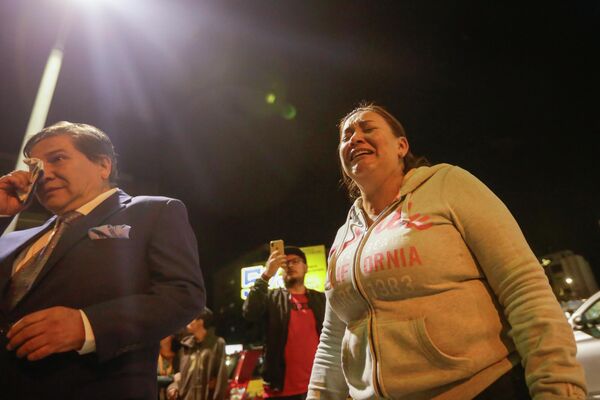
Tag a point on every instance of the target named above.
point(452, 172)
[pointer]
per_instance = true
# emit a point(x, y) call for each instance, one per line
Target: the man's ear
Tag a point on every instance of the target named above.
point(105, 164)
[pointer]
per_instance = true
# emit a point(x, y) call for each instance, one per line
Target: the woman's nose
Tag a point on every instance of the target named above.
point(357, 136)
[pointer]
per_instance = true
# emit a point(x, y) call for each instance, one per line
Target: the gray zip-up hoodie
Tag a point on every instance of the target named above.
point(438, 298)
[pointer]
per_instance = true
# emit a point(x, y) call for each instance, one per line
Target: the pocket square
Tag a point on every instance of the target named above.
point(109, 232)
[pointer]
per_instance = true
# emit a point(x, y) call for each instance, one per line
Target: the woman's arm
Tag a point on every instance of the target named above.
point(327, 380)
point(540, 330)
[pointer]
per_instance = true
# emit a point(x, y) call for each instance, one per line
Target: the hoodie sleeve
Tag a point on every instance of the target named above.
point(327, 380)
point(539, 329)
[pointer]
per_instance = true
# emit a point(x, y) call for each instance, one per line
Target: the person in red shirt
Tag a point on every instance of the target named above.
point(292, 318)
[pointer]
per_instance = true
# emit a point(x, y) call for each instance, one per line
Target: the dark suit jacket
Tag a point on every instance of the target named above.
point(134, 291)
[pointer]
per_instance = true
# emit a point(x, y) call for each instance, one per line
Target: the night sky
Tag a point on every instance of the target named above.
point(506, 90)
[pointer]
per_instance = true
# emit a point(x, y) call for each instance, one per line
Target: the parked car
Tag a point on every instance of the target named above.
point(245, 382)
point(586, 325)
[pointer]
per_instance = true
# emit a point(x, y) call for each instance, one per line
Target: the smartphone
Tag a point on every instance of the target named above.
point(36, 172)
point(277, 245)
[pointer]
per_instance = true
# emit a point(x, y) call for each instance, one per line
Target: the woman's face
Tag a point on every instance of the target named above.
point(368, 149)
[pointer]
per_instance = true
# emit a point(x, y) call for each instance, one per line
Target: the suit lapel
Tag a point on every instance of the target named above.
point(17, 242)
point(79, 229)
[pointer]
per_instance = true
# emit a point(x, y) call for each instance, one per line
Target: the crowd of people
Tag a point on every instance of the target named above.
point(431, 293)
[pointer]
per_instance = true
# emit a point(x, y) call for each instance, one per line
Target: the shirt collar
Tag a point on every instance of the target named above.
point(89, 206)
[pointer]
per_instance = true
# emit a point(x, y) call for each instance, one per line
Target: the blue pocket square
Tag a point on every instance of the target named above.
point(109, 232)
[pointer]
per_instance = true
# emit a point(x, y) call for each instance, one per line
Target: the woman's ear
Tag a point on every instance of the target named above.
point(403, 146)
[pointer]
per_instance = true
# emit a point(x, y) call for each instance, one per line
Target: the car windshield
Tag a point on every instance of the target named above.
point(593, 313)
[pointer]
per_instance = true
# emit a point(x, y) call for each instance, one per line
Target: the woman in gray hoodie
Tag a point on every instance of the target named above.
point(432, 290)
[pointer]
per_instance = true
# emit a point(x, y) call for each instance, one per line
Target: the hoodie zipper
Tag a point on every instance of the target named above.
point(361, 291)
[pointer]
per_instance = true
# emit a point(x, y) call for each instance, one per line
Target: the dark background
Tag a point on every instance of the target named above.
point(506, 90)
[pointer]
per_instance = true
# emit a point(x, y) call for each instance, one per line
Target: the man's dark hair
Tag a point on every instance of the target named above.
point(295, 251)
point(207, 316)
point(88, 139)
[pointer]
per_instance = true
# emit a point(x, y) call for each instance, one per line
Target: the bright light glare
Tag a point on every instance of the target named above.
point(546, 262)
point(96, 6)
point(289, 112)
point(569, 280)
point(270, 98)
point(89, 2)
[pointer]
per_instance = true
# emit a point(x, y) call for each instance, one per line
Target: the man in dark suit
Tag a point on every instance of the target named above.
point(85, 301)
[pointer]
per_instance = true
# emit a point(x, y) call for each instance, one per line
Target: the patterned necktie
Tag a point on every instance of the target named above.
point(23, 279)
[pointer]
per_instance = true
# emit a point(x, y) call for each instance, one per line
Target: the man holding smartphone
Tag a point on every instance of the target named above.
point(292, 318)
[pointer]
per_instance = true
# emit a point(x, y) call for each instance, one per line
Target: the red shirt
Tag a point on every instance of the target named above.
point(300, 348)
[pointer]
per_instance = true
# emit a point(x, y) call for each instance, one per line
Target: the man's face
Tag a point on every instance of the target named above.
point(196, 327)
point(70, 178)
point(294, 270)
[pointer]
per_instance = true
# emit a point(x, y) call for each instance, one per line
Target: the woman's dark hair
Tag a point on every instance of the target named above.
point(410, 160)
point(88, 139)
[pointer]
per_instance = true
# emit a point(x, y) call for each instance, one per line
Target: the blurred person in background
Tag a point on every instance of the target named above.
point(432, 290)
point(166, 356)
point(202, 374)
point(292, 318)
point(167, 364)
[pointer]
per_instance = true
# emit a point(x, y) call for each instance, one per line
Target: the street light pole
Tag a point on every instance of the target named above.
point(45, 92)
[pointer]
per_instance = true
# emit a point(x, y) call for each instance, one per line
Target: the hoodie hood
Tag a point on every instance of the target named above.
point(412, 180)
point(417, 176)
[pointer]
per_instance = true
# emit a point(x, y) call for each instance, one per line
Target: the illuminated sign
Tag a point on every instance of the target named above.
point(232, 349)
point(314, 279)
